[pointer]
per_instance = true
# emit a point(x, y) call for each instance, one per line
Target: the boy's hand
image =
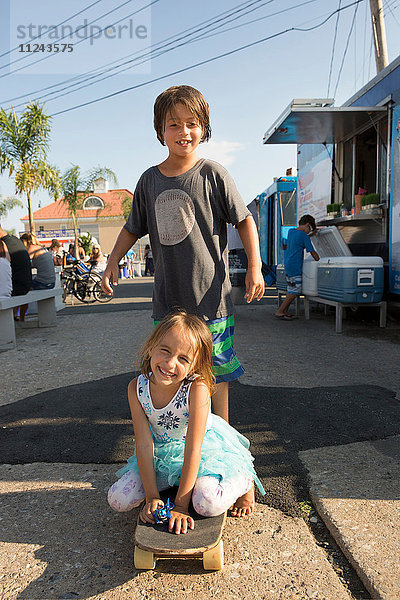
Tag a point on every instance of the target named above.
point(146, 515)
point(254, 284)
point(110, 276)
point(180, 521)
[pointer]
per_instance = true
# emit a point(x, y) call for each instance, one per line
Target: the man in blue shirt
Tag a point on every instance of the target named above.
point(297, 241)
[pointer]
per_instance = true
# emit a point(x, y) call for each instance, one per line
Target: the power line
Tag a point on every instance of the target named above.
point(279, 12)
point(84, 75)
point(76, 43)
point(333, 49)
point(53, 27)
point(203, 62)
point(150, 55)
point(208, 23)
point(345, 50)
point(389, 7)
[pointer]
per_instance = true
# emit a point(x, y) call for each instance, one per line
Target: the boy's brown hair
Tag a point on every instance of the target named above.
point(200, 338)
point(308, 220)
point(192, 99)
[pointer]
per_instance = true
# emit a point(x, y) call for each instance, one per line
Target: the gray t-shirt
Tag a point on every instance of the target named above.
point(186, 218)
point(45, 268)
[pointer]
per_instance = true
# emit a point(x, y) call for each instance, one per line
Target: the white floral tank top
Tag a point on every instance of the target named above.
point(168, 424)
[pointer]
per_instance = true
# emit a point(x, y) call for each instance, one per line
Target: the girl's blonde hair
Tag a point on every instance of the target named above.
point(200, 338)
point(192, 99)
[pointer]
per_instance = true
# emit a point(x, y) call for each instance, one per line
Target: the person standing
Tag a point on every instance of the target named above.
point(297, 241)
point(184, 204)
point(149, 263)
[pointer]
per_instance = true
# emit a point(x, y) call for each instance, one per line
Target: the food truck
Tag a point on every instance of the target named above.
point(277, 214)
point(348, 167)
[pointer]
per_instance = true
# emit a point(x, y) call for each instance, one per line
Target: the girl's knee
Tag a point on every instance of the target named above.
point(205, 497)
point(124, 495)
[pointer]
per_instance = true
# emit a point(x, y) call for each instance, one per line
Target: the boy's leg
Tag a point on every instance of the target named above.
point(283, 309)
point(225, 364)
point(22, 311)
point(220, 400)
point(293, 288)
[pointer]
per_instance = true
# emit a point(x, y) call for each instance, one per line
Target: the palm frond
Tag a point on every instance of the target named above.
point(105, 172)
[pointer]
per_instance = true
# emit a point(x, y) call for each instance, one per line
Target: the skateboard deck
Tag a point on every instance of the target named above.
point(204, 541)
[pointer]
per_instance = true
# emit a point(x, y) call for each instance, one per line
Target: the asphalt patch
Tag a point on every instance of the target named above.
point(90, 423)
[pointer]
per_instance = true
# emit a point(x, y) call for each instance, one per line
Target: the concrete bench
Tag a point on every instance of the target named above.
point(339, 306)
point(46, 303)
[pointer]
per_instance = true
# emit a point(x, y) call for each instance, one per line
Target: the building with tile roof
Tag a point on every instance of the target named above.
point(101, 215)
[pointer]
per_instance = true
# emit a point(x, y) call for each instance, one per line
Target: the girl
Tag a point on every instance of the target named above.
point(178, 440)
point(97, 259)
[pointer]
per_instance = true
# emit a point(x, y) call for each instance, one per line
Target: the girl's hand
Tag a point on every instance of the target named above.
point(146, 515)
point(180, 520)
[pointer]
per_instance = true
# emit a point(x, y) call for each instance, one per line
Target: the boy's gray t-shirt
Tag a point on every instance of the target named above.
point(186, 218)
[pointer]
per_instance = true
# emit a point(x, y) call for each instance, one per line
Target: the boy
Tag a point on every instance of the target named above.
point(297, 241)
point(184, 204)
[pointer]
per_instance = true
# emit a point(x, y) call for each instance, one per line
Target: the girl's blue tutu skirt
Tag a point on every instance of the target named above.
point(224, 453)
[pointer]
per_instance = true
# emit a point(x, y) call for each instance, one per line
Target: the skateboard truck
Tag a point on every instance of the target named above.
point(162, 515)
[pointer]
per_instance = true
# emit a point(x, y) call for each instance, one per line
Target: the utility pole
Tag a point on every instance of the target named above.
point(379, 33)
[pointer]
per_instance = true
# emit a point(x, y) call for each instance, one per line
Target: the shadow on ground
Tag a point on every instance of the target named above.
point(90, 423)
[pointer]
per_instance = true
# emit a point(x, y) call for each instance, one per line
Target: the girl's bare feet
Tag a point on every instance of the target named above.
point(244, 505)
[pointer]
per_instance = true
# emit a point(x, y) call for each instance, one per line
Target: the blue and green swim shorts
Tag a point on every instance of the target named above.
point(225, 364)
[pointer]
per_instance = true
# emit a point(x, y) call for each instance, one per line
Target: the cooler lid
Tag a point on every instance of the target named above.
point(329, 242)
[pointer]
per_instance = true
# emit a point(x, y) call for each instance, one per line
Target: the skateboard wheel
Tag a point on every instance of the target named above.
point(144, 559)
point(213, 559)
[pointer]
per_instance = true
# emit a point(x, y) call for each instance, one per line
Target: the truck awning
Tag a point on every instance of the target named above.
point(303, 123)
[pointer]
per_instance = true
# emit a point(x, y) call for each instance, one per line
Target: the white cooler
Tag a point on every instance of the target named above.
point(309, 281)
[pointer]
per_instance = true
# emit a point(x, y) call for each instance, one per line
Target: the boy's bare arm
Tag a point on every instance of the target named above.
point(125, 240)
point(254, 280)
point(315, 255)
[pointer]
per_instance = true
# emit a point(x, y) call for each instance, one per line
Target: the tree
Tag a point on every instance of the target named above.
point(75, 186)
point(24, 144)
point(126, 206)
point(7, 204)
point(85, 241)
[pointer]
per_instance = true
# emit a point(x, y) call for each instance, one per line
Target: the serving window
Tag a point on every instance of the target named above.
point(364, 166)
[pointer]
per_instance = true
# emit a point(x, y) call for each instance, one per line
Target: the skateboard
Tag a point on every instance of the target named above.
point(153, 541)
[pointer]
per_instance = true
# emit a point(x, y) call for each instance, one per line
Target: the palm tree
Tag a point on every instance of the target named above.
point(7, 204)
point(75, 186)
point(24, 144)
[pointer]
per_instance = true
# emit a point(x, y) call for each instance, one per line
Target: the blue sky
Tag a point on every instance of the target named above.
point(247, 90)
